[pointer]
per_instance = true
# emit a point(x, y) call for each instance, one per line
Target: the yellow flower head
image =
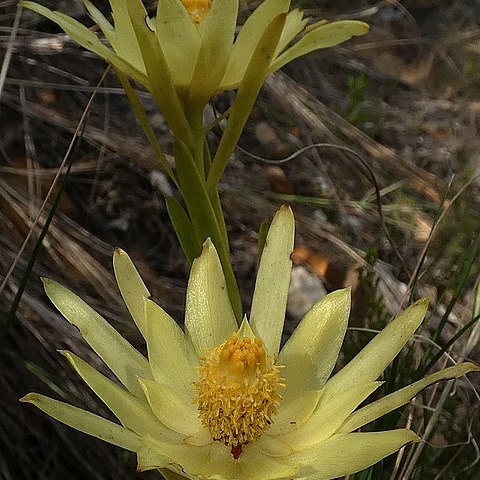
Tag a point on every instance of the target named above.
point(197, 9)
point(193, 43)
point(238, 392)
point(222, 402)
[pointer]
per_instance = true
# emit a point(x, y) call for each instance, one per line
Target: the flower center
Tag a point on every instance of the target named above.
point(237, 392)
point(197, 9)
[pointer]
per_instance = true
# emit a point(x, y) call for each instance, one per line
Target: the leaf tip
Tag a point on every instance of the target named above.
point(29, 398)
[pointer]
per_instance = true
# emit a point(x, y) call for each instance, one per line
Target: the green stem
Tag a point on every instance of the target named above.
point(145, 123)
point(195, 119)
point(205, 216)
point(214, 197)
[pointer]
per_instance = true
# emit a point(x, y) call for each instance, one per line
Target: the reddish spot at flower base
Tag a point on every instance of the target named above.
point(236, 451)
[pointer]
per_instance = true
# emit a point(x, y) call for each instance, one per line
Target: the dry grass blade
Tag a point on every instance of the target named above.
point(327, 123)
point(9, 50)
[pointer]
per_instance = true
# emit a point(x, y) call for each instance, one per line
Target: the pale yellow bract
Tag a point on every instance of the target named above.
point(222, 402)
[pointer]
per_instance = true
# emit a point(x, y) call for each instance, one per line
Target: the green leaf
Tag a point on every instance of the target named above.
point(293, 415)
point(348, 453)
point(250, 33)
point(171, 409)
point(170, 354)
point(247, 93)
point(134, 413)
point(209, 318)
point(180, 40)
point(126, 44)
point(145, 123)
point(159, 75)
point(312, 351)
point(203, 216)
point(370, 362)
point(102, 22)
point(294, 24)
point(183, 228)
point(328, 416)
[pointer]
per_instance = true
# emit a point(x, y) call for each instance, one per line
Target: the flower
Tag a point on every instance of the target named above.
point(193, 42)
point(220, 402)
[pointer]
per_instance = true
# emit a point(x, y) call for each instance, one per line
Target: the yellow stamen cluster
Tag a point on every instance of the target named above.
point(197, 9)
point(237, 392)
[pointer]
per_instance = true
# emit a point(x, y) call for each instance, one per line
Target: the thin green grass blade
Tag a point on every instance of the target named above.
point(11, 315)
point(473, 252)
point(447, 346)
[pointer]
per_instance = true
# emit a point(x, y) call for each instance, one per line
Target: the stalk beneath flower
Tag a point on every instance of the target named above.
point(204, 217)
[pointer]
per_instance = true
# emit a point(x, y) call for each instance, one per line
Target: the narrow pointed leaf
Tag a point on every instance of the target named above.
point(329, 416)
point(323, 36)
point(85, 422)
point(294, 413)
point(201, 464)
point(279, 467)
point(349, 453)
point(209, 318)
point(273, 278)
point(135, 414)
point(125, 361)
point(176, 30)
point(101, 21)
point(183, 228)
point(126, 44)
point(312, 350)
point(131, 287)
point(294, 24)
point(252, 81)
point(217, 38)
point(170, 354)
point(87, 39)
point(379, 353)
point(171, 409)
point(146, 125)
point(158, 73)
point(250, 33)
point(396, 399)
point(197, 200)
point(203, 217)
